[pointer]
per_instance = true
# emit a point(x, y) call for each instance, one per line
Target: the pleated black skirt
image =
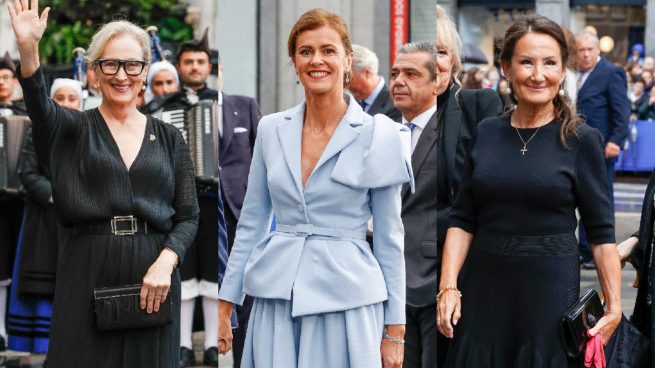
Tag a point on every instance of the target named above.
point(515, 291)
point(91, 261)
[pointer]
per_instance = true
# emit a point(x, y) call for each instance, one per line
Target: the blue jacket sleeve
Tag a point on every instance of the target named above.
point(251, 229)
point(620, 107)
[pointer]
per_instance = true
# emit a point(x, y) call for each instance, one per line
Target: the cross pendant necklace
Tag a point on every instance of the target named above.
point(525, 143)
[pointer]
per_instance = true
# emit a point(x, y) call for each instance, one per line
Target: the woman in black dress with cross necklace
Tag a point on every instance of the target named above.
point(514, 217)
point(112, 169)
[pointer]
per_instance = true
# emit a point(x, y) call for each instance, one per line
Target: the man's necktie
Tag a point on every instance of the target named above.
point(363, 104)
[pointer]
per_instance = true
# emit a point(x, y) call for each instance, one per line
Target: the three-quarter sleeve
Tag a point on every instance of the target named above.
point(49, 120)
point(37, 185)
point(252, 226)
point(389, 239)
point(464, 212)
point(185, 203)
point(591, 187)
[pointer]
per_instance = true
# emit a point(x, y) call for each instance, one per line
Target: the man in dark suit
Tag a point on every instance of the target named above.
point(413, 82)
point(368, 87)
point(603, 101)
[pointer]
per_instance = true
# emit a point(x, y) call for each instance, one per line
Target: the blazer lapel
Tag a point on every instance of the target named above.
point(230, 119)
point(290, 136)
point(424, 145)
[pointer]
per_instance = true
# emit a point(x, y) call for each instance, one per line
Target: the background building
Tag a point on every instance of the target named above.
point(484, 22)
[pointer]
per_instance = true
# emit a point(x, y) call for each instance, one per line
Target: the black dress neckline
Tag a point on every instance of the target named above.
point(112, 141)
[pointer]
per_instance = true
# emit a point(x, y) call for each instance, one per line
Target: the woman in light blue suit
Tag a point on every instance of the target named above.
point(323, 298)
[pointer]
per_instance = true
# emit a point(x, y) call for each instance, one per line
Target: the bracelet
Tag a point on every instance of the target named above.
point(447, 289)
point(397, 340)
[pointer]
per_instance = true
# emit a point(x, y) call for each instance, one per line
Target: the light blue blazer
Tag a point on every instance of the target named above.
point(318, 252)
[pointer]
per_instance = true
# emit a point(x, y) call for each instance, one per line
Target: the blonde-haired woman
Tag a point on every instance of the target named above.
point(459, 112)
point(114, 172)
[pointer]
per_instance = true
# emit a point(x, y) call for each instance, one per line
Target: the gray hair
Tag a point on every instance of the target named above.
point(425, 47)
point(364, 58)
point(588, 35)
point(115, 29)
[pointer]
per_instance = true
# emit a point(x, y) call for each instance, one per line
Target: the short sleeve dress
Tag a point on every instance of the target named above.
point(91, 184)
point(523, 270)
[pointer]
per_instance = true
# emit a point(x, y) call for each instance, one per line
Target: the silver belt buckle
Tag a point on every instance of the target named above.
point(129, 219)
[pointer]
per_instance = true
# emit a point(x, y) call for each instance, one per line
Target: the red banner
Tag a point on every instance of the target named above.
point(399, 26)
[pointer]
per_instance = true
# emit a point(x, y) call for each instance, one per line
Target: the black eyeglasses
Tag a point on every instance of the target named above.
point(111, 66)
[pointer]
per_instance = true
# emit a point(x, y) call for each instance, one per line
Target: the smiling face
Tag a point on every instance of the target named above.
point(536, 69)
point(412, 87)
point(121, 88)
point(321, 61)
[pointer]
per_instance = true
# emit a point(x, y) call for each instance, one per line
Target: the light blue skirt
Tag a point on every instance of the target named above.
point(346, 339)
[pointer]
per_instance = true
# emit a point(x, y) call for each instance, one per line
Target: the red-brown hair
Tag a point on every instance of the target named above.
point(315, 19)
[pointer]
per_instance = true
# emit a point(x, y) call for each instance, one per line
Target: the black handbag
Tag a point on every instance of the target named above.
point(117, 308)
point(578, 319)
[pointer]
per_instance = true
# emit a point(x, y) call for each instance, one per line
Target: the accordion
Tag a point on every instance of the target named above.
point(12, 134)
point(199, 127)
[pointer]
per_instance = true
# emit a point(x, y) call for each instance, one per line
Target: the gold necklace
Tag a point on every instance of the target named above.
point(525, 143)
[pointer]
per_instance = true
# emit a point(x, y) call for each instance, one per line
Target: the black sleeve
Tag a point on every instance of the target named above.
point(37, 185)
point(185, 219)
point(464, 212)
point(591, 190)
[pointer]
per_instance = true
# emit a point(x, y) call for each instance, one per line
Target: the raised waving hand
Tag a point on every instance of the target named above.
point(28, 29)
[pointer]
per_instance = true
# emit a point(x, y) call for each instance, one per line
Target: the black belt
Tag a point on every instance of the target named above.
point(117, 225)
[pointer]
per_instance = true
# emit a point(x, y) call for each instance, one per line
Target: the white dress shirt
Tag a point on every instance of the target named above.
point(420, 121)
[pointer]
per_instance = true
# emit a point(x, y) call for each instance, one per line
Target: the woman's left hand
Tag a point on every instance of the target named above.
point(606, 326)
point(393, 352)
point(157, 281)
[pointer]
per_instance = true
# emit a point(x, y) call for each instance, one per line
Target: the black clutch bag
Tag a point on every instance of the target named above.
point(117, 308)
point(578, 319)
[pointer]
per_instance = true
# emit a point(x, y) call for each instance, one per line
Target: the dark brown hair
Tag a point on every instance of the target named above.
point(564, 110)
point(315, 19)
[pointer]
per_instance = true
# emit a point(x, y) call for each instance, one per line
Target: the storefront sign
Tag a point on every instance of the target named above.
point(399, 26)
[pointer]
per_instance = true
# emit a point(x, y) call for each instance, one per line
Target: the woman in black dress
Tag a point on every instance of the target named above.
point(514, 217)
point(106, 165)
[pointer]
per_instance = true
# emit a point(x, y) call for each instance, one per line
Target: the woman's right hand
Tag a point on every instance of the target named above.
point(449, 311)
point(224, 326)
point(28, 26)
